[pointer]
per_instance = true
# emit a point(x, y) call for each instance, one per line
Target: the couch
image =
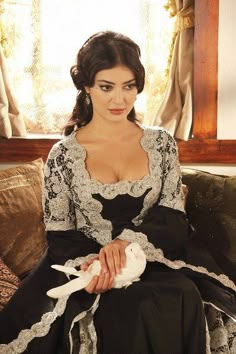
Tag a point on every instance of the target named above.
point(210, 207)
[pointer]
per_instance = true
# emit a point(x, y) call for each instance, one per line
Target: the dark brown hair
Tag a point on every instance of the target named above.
point(103, 50)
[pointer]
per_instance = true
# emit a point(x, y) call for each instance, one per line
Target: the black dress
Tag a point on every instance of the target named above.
point(184, 303)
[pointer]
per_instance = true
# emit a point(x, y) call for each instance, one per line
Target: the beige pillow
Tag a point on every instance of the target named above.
point(22, 232)
point(9, 283)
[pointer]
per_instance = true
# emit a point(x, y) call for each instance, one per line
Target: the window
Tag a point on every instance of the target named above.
point(43, 40)
point(204, 147)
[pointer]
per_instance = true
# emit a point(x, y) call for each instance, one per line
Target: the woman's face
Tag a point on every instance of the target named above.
point(113, 94)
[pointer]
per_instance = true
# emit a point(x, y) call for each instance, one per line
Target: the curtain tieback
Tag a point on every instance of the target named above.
point(184, 19)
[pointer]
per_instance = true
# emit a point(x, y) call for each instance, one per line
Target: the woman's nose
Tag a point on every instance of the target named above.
point(118, 97)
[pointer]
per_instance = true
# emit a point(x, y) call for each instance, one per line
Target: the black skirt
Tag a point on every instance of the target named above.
point(161, 314)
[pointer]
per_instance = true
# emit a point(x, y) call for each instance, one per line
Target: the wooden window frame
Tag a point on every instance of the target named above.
point(204, 146)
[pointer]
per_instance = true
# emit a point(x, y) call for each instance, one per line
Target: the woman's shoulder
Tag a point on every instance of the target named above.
point(61, 147)
point(160, 134)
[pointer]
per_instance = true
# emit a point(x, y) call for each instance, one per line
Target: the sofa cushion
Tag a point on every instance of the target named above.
point(22, 232)
point(9, 282)
point(211, 208)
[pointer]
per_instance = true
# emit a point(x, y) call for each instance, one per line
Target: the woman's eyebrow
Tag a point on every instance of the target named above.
point(113, 83)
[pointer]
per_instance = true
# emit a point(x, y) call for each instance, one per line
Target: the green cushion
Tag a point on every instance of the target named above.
point(211, 208)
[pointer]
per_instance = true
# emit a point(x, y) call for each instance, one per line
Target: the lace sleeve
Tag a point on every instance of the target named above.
point(57, 200)
point(171, 194)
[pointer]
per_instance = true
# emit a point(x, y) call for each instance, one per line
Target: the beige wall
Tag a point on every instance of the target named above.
point(227, 71)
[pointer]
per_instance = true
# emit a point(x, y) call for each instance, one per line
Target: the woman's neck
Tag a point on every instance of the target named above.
point(110, 130)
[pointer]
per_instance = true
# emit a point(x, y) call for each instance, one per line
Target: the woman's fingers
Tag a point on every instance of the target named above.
point(122, 246)
point(117, 259)
point(103, 261)
point(92, 285)
point(103, 283)
point(85, 265)
point(100, 284)
point(110, 258)
point(122, 259)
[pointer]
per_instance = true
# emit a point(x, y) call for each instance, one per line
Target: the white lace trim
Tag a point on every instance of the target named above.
point(222, 331)
point(208, 339)
point(38, 329)
point(148, 144)
point(96, 226)
point(93, 224)
point(153, 142)
point(218, 309)
point(88, 210)
point(222, 336)
point(88, 335)
point(111, 190)
point(156, 255)
point(41, 328)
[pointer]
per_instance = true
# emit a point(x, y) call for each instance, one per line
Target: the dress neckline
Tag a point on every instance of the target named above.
point(94, 181)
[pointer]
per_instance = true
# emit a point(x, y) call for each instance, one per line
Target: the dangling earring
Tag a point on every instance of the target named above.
point(87, 99)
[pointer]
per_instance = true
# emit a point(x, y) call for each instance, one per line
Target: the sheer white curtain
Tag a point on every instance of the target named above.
point(11, 120)
point(44, 37)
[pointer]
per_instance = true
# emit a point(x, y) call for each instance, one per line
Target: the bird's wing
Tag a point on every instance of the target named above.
point(70, 287)
point(64, 269)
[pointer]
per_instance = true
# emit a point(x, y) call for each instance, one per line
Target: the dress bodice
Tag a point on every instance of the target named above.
point(73, 200)
point(121, 210)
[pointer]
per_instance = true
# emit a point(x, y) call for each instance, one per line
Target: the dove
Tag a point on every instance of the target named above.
point(134, 267)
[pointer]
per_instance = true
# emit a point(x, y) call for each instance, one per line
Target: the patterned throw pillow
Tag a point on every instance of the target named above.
point(8, 284)
point(22, 231)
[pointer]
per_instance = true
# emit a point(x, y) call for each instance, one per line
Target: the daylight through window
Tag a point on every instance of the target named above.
point(43, 38)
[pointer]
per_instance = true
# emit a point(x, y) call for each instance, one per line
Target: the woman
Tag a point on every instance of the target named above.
point(110, 182)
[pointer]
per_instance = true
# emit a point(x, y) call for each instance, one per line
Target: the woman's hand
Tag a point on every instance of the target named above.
point(99, 283)
point(112, 258)
point(86, 264)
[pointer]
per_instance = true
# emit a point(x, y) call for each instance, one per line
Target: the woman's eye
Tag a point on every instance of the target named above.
point(106, 88)
point(130, 86)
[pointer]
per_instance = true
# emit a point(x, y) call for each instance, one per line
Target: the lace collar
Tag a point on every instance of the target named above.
point(110, 190)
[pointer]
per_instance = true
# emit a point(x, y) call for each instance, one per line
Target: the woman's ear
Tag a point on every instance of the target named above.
point(87, 89)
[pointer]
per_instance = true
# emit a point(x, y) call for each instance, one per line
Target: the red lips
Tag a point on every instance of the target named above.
point(116, 111)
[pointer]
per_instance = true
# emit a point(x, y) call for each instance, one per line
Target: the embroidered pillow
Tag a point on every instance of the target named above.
point(22, 233)
point(211, 208)
point(9, 282)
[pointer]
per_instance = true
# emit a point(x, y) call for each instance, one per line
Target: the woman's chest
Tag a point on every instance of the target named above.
point(111, 163)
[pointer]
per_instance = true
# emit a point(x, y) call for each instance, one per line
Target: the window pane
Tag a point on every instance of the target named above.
point(46, 35)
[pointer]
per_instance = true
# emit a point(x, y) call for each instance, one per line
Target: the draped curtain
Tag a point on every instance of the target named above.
point(39, 57)
point(41, 54)
point(11, 120)
point(175, 111)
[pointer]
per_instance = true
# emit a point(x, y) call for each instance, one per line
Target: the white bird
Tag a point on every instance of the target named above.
point(134, 267)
